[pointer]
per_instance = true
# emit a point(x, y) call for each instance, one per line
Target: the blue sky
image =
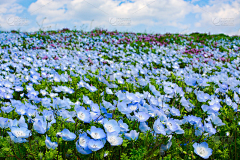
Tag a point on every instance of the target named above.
point(150, 16)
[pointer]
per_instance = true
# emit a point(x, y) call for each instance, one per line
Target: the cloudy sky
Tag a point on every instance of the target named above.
point(150, 16)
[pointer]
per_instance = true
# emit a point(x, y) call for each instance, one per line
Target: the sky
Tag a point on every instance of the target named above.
point(139, 16)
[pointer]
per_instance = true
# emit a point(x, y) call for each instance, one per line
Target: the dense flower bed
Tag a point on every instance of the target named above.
point(96, 95)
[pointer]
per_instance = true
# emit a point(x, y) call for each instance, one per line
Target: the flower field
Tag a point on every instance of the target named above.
point(71, 94)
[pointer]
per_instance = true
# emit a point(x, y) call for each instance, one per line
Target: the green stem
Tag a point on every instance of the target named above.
point(19, 152)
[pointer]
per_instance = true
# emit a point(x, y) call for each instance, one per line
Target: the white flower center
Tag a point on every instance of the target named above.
point(169, 124)
point(95, 135)
point(201, 151)
point(109, 128)
point(140, 117)
point(133, 107)
point(19, 134)
point(94, 146)
point(82, 141)
point(112, 140)
point(81, 115)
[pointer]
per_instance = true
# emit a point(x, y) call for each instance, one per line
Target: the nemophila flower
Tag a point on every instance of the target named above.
point(91, 88)
point(18, 88)
point(66, 135)
point(133, 135)
point(142, 116)
point(171, 125)
point(175, 112)
point(216, 120)
point(202, 97)
point(82, 150)
point(7, 109)
point(50, 144)
point(21, 110)
point(133, 106)
point(56, 78)
point(21, 132)
point(228, 101)
point(39, 126)
point(48, 115)
point(96, 133)
point(236, 98)
point(87, 100)
point(235, 107)
point(21, 122)
point(95, 108)
point(191, 81)
point(123, 126)
point(111, 126)
point(46, 102)
point(163, 118)
point(144, 127)
point(65, 114)
point(15, 139)
point(120, 95)
point(109, 91)
point(114, 139)
point(8, 96)
point(192, 119)
point(202, 150)
point(95, 145)
point(95, 116)
point(209, 128)
point(108, 105)
point(83, 140)
point(153, 101)
point(122, 107)
point(3, 122)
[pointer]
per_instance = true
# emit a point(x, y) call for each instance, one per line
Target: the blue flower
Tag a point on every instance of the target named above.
point(15, 139)
point(40, 126)
point(111, 126)
point(209, 128)
point(122, 107)
point(123, 126)
point(175, 112)
point(7, 109)
point(95, 108)
point(144, 127)
point(192, 119)
point(133, 135)
point(21, 110)
point(142, 116)
point(82, 150)
point(83, 115)
point(109, 91)
point(95, 145)
point(216, 120)
point(48, 115)
point(114, 139)
point(18, 88)
point(50, 144)
point(96, 133)
point(66, 135)
point(159, 127)
point(202, 150)
point(21, 132)
point(172, 125)
point(83, 140)
point(3, 122)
